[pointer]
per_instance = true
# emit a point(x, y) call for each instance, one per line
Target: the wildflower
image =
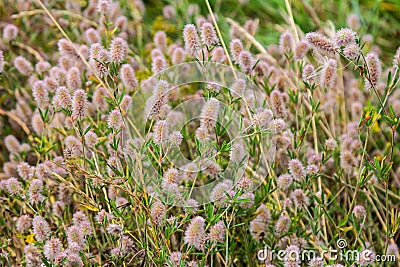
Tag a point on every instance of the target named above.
point(115, 120)
point(316, 262)
point(251, 26)
point(122, 23)
point(258, 229)
point(10, 31)
point(278, 104)
point(118, 50)
point(178, 56)
point(189, 171)
point(249, 203)
point(103, 217)
point(286, 42)
point(74, 81)
point(321, 43)
point(190, 206)
point(218, 54)
point(32, 256)
point(66, 48)
point(58, 208)
point(392, 249)
point(158, 64)
point(40, 94)
point(113, 165)
point(91, 139)
point(92, 36)
point(169, 12)
point(278, 125)
point(366, 257)
point(171, 176)
point(297, 170)
point(239, 87)
point(128, 78)
point(284, 181)
point(238, 152)
point(99, 98)
point(217, 232)
point(396, 60)
point(75, 235)
point(246, 61)
point(41, 228)
point(299, 198)
point(51, 248)
point(312, 169)
point(24, 223)
point(263, 117)
point(374, 70)
point(79, 105)
point(345, 36)
point(12, 144)
point(353, 21)
point(208, 35)
point(158, 213)
point(192, 264)
point(156, 53)
point(347, 161)
point(213, 169)
point(79, 217)
point(127, 245)
point(23, 66)
point(160, 132)
point(104, 6)
point(42, 66)
point(160, 40)
point(1, 61)
point(194, 234)
point(292, 256)
point(307, 74)
point(236, 48)
point(157, 100)
point(73, 259)
point(13, 186)
point(245, 183)
point(175, 258)
point(35, 191)
point(191, 39)
point(282, 224)
point(73, 144)
point(175, 138)
point(63, 97)
point(359, 212)
point(329, 76)
point(301, 50)
point(209, 114)
point(64, 193)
